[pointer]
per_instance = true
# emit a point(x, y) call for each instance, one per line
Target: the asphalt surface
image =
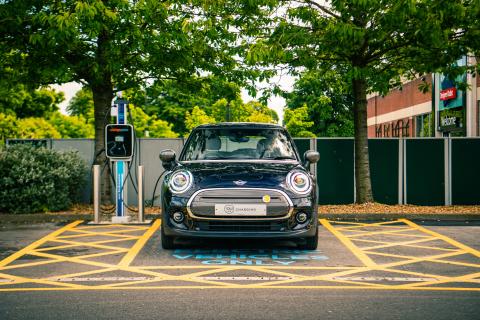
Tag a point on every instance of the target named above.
point(400, 270)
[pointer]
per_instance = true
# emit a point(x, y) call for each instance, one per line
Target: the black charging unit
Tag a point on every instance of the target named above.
point(119, 141)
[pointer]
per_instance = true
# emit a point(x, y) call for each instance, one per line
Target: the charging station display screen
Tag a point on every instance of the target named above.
point(119, 141)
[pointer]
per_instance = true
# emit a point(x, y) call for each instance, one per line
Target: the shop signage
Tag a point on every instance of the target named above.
point(395, 129)
point(448, 94)
point(451, 120)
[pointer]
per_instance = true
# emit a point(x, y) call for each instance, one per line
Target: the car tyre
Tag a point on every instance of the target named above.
point(167, 241)
point(311, 243)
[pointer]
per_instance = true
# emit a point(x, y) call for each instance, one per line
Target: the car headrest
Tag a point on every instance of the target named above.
point(261, 146)
point(213, 143)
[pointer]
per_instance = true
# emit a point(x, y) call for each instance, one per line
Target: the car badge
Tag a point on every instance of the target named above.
point(266, 198)
point(239, 182)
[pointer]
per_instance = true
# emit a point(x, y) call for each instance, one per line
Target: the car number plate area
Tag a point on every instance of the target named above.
point(240, 209)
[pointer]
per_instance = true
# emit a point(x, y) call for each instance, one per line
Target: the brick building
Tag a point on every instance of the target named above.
point(443, 111)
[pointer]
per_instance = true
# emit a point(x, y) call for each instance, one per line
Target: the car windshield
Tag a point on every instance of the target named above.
point(238, 144)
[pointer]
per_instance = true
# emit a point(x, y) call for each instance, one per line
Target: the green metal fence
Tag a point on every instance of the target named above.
point(423, 171)
point(335, 175)
point(465, 171)
point(420, 171)
point(384, 169)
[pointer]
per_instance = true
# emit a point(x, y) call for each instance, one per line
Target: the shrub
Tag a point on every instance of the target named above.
point(38, 179)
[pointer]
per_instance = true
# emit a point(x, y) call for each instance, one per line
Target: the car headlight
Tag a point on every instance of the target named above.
point(180, 181)
point(299, 182)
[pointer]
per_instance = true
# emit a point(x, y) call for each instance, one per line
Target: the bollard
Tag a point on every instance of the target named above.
point(96, 193)
point(140, 177)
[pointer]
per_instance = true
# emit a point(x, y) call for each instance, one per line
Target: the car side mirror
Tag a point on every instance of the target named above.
point(310, 157)
point(168, 158)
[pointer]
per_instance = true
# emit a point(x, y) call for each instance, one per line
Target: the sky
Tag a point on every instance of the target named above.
point(276, 103)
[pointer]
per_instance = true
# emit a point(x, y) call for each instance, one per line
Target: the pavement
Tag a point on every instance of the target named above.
point(69, 217)
point(395, 269)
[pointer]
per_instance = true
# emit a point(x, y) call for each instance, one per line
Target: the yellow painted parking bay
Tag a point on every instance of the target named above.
point(391, 255)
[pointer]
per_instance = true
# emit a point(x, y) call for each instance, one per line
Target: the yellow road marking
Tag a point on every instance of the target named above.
point(400, 243)
point(388, 232)
point(385, 224)
point(132, 253)
point(289, 271)
point(238, 286)
point(442, 237)
point(349, 244)
point(37, 243)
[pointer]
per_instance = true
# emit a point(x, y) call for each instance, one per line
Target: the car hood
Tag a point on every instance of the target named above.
point(240, 174)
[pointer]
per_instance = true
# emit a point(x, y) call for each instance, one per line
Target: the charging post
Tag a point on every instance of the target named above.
point(119, 149)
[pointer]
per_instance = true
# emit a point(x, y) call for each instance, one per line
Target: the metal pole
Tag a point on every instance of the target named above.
point(96, 193)
point(140, 194)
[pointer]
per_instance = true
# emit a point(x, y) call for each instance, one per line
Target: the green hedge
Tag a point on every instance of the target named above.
point(38, 179)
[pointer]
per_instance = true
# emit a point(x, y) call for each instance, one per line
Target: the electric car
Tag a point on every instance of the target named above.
point(239, 180)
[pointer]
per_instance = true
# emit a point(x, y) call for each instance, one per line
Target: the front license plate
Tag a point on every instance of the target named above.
point(240, 210)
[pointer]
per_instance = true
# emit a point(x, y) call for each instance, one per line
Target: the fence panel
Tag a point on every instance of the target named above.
point(149, 150)
point(335, 175)
point(465, 171)
point(303, 144)
point(383, 154)
point(425, 173)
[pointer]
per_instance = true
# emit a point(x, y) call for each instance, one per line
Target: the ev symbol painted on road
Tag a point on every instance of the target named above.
point(260, 257)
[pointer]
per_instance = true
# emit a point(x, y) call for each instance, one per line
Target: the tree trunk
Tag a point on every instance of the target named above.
point(102, 100)
point(362, 163)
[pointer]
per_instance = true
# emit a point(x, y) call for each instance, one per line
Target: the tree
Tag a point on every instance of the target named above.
point(24, 102)
point(328, 100)
point(36, 128)
point(171, 100)
point(196, 118)
point(71, 126)
point(81, 104)
point(112, 45)
point(296, 122)
point(8, 127)
point(150, 126)
point(377, 43)
point(238, 111)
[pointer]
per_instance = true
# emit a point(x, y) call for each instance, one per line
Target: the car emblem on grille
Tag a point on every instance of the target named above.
point(266, 198)
point(239, 182)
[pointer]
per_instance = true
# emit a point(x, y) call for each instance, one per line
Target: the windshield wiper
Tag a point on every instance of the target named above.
point(280, 158)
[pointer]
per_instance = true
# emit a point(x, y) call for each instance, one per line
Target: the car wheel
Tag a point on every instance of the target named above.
point(311, 243)
point(167, 241)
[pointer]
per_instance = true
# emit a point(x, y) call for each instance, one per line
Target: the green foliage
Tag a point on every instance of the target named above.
point(239, 111)
point(171, 100)
point(38, 179)
point(297, 124)
point(150, 126)
point(71, 126)
point(8, 127)
point(23, 103)
point(329, 101)
point(36, 128)
point(81, 104)
point(196, 118)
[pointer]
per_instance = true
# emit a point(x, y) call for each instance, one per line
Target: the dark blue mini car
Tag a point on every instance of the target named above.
point(239, 180)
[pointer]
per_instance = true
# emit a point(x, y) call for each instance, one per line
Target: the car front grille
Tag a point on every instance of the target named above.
point(241, 226)
point(202, 204)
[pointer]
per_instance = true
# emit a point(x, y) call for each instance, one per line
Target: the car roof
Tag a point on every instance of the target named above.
point(239, 125)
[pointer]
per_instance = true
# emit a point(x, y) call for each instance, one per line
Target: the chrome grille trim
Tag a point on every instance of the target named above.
point(193, 216)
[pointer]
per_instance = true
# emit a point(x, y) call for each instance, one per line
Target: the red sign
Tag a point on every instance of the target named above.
point(448, 94)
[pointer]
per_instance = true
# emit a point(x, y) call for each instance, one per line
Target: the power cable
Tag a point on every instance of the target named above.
point(155, 188)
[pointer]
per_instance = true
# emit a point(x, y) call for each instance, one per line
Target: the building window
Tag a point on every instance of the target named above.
point(423, 125)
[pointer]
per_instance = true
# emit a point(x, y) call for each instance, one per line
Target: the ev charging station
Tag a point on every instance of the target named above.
point(119, 149)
